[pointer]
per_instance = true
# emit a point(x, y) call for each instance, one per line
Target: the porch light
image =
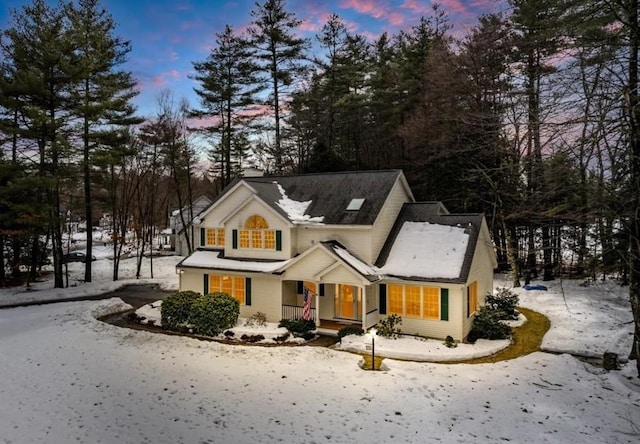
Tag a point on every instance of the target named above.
point(373, 333)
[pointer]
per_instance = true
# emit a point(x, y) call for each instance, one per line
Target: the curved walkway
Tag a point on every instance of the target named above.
point(526, 339)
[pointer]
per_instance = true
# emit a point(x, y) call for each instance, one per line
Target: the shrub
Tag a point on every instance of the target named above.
point(388, 327)
point(282, 338)
point(175, 310)
point(299, 328)
point(449, 342)
point(504, 302)
point(252, 338)
point(487, 325)
point(258, 319)
point(350, 330)
point(213, 313)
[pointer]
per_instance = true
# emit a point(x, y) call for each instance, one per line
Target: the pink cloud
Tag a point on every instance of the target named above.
point(374, 8)
point(308, 26)
point(396, 18)
point(160, 80)
point(417, 7)
point(455, 6)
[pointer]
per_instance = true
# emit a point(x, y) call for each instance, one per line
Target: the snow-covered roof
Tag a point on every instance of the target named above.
point(426, 250)
point(212, 259)
point(295, 210)
point(360, 266)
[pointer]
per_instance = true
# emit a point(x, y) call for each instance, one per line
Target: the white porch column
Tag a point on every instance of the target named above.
point(317, 305)
point(364, 307)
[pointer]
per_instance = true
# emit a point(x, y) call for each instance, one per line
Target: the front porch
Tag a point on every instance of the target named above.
point(329, 327)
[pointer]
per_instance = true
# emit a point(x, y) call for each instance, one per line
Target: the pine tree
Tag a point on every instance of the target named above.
point(228, 88)
point(280, 56)
point(40, 51)
point(104, 92)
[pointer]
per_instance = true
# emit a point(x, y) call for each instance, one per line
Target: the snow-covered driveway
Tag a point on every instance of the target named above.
point(69, 378)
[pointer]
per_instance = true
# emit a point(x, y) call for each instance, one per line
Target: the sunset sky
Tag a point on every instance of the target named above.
point(167, 36)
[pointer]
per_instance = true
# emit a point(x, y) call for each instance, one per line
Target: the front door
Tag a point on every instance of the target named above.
point(348, 302)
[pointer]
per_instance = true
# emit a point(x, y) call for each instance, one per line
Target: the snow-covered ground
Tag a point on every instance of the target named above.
point(67, 377)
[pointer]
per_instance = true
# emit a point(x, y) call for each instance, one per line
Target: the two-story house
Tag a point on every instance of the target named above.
point(357, 241)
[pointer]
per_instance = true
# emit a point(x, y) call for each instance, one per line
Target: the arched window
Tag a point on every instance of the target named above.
point(256, 234)
point(256, 222)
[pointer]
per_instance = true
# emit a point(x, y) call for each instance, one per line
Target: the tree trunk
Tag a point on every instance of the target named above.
point(634, 144)
point(547, 250)
point(512, 253)
point(88, 210)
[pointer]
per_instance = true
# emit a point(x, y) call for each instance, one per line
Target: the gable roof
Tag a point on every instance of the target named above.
point(433, 245)
point(341, 256)
point(326, 195)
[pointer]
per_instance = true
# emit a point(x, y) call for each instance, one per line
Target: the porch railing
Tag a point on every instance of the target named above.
point(295, 312)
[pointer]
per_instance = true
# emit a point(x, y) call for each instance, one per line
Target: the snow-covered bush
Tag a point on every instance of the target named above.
point(258, 319)
point(504, 302)
point(389, 326)
point(350, 330)
point(299, 328)
point(487, 325)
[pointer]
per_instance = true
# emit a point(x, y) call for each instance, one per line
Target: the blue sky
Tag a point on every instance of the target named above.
point(167, 36)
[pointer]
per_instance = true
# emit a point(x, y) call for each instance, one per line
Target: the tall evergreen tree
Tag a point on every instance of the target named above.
point(280, 56)
point(228, 87)
point(40, 49)
point(104, 91)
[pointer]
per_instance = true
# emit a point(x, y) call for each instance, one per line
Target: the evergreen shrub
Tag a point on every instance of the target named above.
point(175, 310)
point(389, 326)
point(350, 330)
point(213, 313)
point(487, 325)
point(299, 328)
point(504, 302)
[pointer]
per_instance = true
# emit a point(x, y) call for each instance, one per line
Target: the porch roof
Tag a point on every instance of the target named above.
point(213, 259)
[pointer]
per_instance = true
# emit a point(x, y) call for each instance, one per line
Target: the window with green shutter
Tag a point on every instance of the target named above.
point(278, 240)
point(247, 291)
point(444, 304)
point(383, 299)
point(234, 240)
point(202, 237)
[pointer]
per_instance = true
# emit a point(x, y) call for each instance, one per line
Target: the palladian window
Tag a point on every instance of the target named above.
point(256, 235)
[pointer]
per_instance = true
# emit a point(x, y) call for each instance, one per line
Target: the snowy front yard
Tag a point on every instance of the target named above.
point(67, 377)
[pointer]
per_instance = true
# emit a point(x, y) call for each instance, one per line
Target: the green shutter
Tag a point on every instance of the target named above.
point(278, 240)
point(444, 304)
point(202, 237)
point(235, 239)
point(205, 287)
point(383, 298)
point(299, 287)
point(247, 291)
point(321, 290)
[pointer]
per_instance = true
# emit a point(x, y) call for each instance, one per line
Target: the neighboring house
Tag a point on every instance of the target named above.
point(175, 237)
point(356, 240)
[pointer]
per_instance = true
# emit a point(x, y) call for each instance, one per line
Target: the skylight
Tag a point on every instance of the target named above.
point(355, 204)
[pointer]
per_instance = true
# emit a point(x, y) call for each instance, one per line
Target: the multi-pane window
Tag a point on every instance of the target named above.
point(472, 298)
point(215, 237)
point(256, 234)
point(395, 295)
point(413, 301)
point(231, 285)
point(431, 302)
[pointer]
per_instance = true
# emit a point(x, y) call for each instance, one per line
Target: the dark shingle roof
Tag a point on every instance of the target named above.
point(435, 213)
point(330, 193)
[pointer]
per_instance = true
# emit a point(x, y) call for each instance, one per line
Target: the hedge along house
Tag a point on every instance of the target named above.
point(356, 241)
